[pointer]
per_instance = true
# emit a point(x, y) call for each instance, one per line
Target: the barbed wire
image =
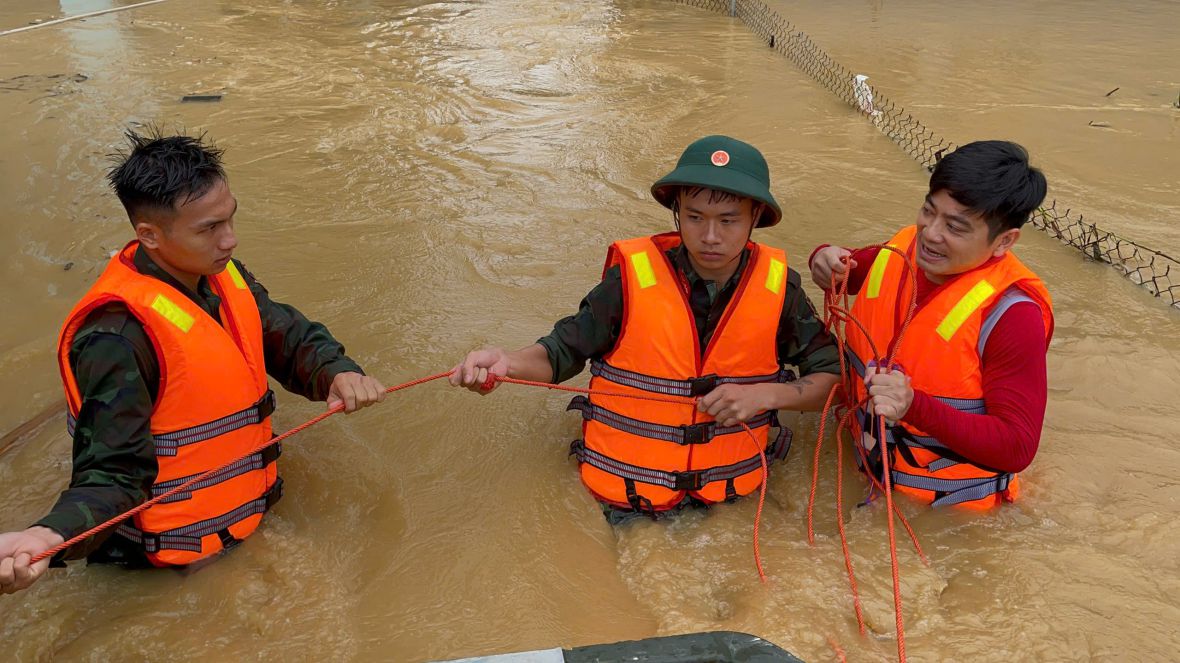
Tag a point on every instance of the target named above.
point(1149, 268)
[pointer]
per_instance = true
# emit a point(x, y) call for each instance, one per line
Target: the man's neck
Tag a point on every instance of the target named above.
point(188, 280)
point(934, 278)
point(720, 275)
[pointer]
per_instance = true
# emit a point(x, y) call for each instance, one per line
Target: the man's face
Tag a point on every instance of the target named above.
point(953, 240)
point(198, 240)
point(714, 233)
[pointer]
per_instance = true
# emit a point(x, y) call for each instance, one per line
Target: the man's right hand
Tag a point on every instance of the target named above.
point(829, 261)
point(473, 371)
point(16, 549)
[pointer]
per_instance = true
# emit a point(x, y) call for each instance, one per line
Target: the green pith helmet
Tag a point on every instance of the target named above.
point(724, 164)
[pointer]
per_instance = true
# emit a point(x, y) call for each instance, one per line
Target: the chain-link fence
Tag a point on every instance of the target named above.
point(1147, 267)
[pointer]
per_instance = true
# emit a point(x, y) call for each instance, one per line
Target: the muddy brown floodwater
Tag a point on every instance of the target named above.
point(429, 177)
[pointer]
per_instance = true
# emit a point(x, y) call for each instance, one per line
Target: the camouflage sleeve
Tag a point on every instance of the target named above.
point(802, 339)
point(591, 332)
point(301, 354)
point(114, 461)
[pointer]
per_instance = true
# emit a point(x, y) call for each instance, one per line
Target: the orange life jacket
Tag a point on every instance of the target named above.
point(941, 353)
point(213, 405)
point(649, 455)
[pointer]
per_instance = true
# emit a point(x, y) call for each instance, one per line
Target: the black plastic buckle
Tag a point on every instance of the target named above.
point(577, 448)
point(274, 494)
point(151, 542)
point(691, 480)
point(271, 452)
point(702, 385)
point(228, 540)
point(1003, 481)
point(266, 405)
point(701, 433)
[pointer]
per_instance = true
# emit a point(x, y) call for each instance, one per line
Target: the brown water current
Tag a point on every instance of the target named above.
point(426, 178)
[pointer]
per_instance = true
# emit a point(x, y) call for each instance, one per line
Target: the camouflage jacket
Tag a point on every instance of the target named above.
point(118, 375)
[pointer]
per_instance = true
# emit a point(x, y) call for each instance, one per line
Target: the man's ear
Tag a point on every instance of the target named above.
point(757, 208)
point(1005, 241)
point(148, 234)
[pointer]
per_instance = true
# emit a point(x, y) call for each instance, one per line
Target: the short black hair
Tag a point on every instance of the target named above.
point(160, 173)
point(991, 178)
point(715, 195)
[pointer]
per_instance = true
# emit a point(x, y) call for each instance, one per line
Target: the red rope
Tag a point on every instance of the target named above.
point(761, 503)
point(892, 542)
point(836, 648)
point(406, 385)
point(837, 317)
point(201, 477)
point(492, 379)
point(819, 440)
point(860, 619)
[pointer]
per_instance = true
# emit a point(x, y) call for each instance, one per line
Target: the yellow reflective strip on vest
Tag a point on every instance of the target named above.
point(963, 310)
point(172, 313)
point(235, 275)
point(774, 278)
point(643, 271)
point(877, 273)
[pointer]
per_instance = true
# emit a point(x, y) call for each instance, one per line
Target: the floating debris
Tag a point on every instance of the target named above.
point(54, 84)
point(1099, 125)
point(68, 266)
point(1112, 92)
point(204, 98)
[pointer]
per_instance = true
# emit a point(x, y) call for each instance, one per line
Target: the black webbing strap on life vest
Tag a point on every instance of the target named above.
point(167, 444)
point(684, 388)
point(258, 461)
point(189, 537)
point(947, 491)
point(690, 480)
point(701, 433)
point(731, 490)
point(954, 491)
point(638, 502)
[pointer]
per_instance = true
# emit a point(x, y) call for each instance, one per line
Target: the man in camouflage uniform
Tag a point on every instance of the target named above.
point(118, 373)
point(715, 205)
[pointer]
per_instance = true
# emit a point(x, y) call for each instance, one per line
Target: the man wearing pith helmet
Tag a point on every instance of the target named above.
point(702, 312)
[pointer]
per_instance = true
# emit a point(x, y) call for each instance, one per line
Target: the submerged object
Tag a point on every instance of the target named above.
point(716, 646)
point(200, 97)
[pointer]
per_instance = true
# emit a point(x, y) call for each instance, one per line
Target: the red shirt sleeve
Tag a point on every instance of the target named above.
point(1015, 389)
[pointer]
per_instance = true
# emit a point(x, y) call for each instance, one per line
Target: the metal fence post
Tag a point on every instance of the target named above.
point(733, 7)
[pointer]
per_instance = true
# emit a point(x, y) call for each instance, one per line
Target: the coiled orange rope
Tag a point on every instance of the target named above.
point(837, 316)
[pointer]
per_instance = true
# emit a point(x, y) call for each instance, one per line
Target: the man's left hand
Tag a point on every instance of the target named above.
point(355, 391)
point(890, 394)
point(730, 404)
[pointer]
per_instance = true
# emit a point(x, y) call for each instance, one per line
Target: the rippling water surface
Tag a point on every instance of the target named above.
point(429, 177)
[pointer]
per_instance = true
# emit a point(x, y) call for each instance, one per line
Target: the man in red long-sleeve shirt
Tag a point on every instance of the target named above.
point(968, 401)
